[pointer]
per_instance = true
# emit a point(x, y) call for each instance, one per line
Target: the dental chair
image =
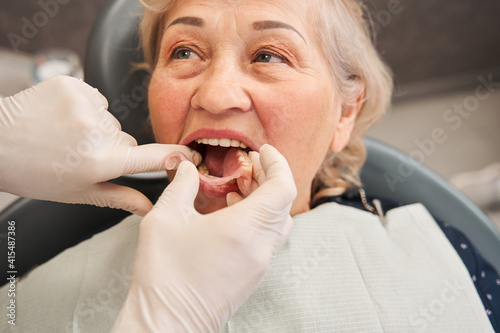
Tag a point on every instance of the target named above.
point(43, 229)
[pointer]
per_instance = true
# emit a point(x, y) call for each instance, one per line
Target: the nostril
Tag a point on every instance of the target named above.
point(221, 97)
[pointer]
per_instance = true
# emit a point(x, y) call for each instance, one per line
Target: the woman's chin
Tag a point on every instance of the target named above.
point(206, 203)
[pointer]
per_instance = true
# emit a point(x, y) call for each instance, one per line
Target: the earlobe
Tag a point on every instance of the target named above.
point(346, 123)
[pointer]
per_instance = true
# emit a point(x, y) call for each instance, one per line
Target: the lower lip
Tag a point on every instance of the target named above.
point(218, 190)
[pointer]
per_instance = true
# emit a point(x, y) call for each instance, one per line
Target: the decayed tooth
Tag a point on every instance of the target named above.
point(242, 145)
point(204, 141)
point(223, 142)
point(202, 168)
point(235, 143)
point(213, 142)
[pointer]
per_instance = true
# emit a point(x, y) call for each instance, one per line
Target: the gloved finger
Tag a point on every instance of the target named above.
point(127, 139)
point(278, 190)
point(258, 176)
point(283, 236)
point(181, 192)
point(151, 157)
point(120, 197)
point(96, 97)
point(273, 163)
point(257, 172)
point(108, 122)
point(92, 93)
point(78, 86)
point(233, 198)
point(246, 189)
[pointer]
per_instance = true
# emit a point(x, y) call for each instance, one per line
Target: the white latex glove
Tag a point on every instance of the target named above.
point(58, 142)
point(192, 272)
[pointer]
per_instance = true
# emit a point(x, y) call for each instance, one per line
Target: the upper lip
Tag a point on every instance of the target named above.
point(217, 134)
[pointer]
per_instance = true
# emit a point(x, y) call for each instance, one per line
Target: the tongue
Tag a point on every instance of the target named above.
point(222, 162)
point(226, 164)
point(215, 160)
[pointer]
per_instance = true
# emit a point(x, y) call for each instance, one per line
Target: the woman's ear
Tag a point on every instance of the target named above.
point(346, 123)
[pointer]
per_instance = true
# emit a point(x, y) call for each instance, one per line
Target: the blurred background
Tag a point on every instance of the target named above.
point(445, 56)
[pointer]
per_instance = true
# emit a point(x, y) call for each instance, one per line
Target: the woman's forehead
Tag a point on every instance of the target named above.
point(242, 14)
point(292, 9)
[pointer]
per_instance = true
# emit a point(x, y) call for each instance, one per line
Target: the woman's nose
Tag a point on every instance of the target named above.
point(221, 89)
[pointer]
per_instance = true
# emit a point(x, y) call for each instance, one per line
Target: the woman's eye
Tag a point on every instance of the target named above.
point(184, 54)
point(268, 57)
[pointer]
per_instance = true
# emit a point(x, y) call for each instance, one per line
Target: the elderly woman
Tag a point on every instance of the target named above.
point(302, 76)
point(305, 78)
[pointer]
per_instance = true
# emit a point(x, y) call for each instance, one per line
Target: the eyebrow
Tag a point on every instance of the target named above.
point(189, 20)
point(259, 25)
point(264, 25)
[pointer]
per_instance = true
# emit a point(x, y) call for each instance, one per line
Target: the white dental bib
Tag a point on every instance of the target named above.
point(340, 271)
point(343, 271)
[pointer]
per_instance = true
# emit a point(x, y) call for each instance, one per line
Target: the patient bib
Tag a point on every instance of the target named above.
point(341, 270)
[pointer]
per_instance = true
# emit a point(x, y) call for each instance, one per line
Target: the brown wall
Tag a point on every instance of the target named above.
point(439, 38)
point(420, 39)
point(69, 25)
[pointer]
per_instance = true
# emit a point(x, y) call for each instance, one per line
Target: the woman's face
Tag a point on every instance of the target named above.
point(249, 70)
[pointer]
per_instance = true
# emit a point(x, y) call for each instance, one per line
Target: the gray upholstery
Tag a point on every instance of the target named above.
point(112, 48)
point(51, 227)
point(391, 174)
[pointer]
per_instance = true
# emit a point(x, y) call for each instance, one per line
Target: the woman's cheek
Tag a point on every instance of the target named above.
point(298, 128)
point(168, 111)
point(280, 110)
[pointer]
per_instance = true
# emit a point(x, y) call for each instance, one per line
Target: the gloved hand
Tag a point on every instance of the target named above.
point(192, 272)
point(58, 142)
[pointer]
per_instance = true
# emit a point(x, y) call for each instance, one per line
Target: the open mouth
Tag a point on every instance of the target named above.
point(223, 160)
point(225, 166)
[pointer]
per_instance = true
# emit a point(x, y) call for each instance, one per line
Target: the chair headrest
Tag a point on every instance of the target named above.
point(112, 50)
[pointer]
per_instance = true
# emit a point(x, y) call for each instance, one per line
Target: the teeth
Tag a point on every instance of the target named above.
point(223, 142)
point(202, 168)
point(213, 142)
